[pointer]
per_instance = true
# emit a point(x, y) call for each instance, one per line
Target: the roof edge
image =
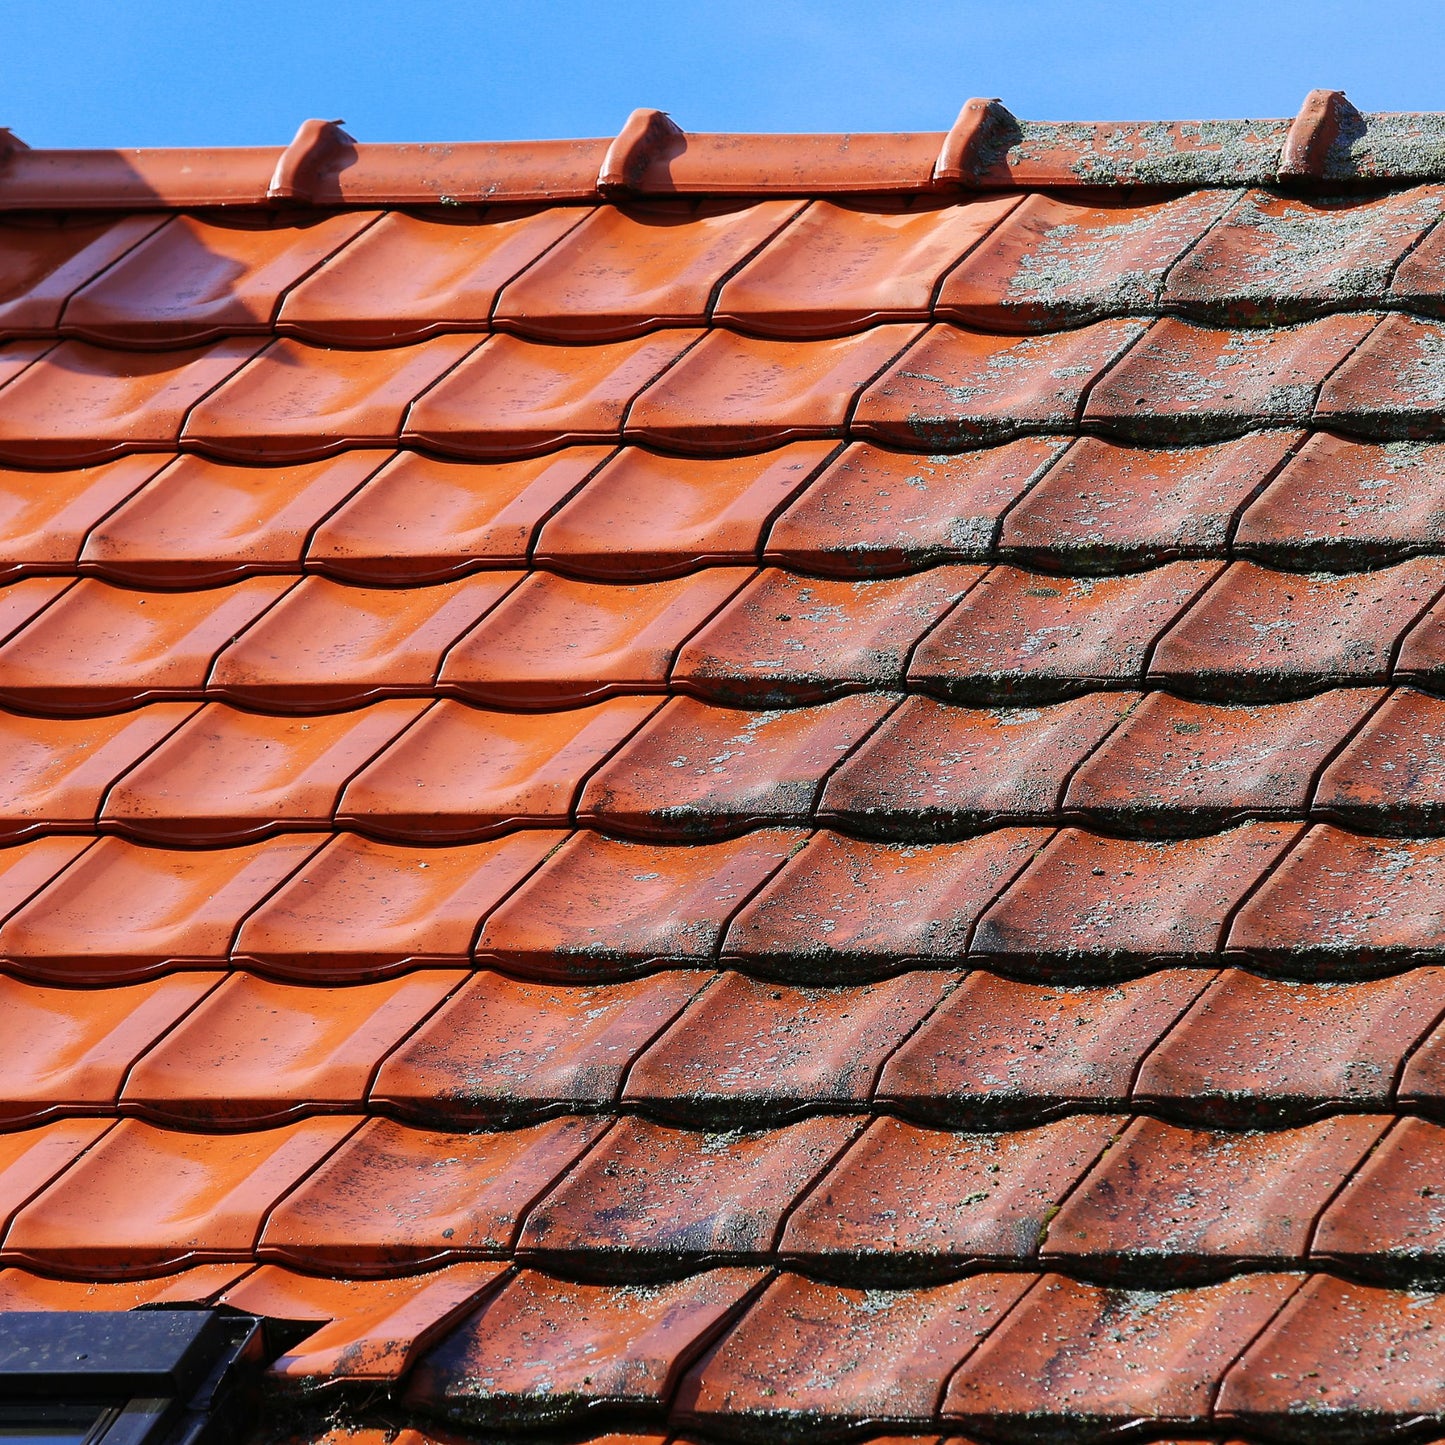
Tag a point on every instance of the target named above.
point(1328, 144)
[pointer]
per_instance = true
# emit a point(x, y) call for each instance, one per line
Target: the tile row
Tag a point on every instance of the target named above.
point(729, 635)
point(522, 1349)
point(914, 769)
point(1315, 901)
point(862, 1201)
point(778, 267)
point(923, 388)
point(452, 1049)
point(1089, 504)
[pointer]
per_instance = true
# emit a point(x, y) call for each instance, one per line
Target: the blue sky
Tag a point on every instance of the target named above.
point(162, 72)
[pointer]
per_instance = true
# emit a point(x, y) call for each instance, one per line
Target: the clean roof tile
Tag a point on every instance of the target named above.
point(83, 403)
point(556, 641)
point(205, 1198)
point(604, 908)
point(104, 647)
point(257, 1053)
point(998, 1051)
point(462, 772)
point(750, 1050)
point(69, 1050)
point(31, 1158)
point(296, 401)
point(500, 1049)
point(734, 392)
point(845, 909)
point(874, 511)
point(408, 277)
point(645, 515)
point(397, 1198)
point(697, 771)
point(1258, 1050)
point(226, 775)
point(201, 522)
point(126, 912)
point(932, 770)
point(514, 397)
point(1193, 383)
point(840, 267)
point(1105, 505)
point(361, 910)
point(1058, 263)
point(960, 388)
point(631, 268)
point(22, 1290)
point(199, 280)
point(334, 644)
point(1031, 636)
point(787, 639)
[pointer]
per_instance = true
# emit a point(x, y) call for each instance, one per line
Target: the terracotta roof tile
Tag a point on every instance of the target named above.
point(81, 403)
point(605, 908)
point(787, 639)
point(645, 515)
point(224, 776)
point(544, 1351)
point(844, 908)
point(361, 909)
point(205, 1200)
point(842, 1357)
point(1391, 386)
point(626, 269)
point(556, 641)
point(745, 1049)
point(1275, 258)
point(695, 770)
point(201, 522)
point(932, 770)
point(1255, 1050)
point(840, 267)
point(255, 1052)
point(997, 1051)
point(199, 280)
point(22, 1290)
point(70, 1051)
point(381, 1201)
point(874, 511)
point(514, 397)
point(1389, 777)
point(31, 1158)
point(500, 1048)
point(649, 1196)
point(409, 277)
point(960, 388)
point(420, 519)
point(906, 1202)
point(461, 772)
point(733, 392)
point(1057, 263)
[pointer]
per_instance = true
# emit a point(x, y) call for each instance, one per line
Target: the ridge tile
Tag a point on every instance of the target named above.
point(626, 269)
point(409, 277)
point(256, 1053)
point(843, 266)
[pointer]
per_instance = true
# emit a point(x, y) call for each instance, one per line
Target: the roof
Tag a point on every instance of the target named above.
point(768, 788)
